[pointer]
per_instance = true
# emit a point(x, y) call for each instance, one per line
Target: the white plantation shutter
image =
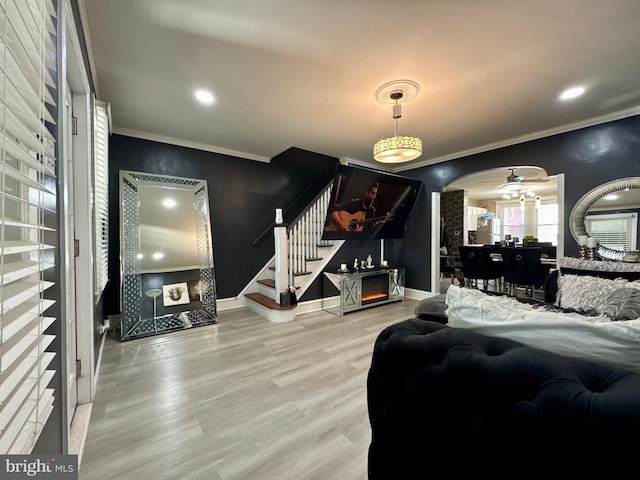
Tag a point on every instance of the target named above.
point(28, 207)
point(101, 193)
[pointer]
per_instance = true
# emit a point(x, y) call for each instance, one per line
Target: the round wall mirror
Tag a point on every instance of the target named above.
point(616, 205)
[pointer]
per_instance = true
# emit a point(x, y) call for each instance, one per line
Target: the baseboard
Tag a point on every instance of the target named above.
point(230, 303)
point(417, 294)
point(309, 306)
point(79, 430)
point(82, 415)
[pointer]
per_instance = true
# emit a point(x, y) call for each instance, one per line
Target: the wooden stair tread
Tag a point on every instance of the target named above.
point(267, 301)
point(269, 282)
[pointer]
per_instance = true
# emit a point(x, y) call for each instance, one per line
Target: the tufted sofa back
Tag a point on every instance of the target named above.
point(491, 406)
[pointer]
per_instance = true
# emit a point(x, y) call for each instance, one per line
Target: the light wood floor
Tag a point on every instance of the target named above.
point(245, 399)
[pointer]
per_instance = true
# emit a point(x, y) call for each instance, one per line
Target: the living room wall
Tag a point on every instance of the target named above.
point(243, 196)
point(242, 191)
point(588, 157)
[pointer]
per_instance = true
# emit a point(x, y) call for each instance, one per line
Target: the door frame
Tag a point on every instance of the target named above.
point(435, 231)
point(69, 263)
point(71, 70)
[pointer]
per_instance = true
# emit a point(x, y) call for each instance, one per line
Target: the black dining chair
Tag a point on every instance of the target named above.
point(477, 264)
point(522, 268)
point(447, 268)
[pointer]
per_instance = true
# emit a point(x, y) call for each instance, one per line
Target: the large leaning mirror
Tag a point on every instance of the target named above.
point(166, 254)
point(610, 214)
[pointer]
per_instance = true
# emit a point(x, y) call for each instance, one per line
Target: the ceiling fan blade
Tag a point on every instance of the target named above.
point(535, 180)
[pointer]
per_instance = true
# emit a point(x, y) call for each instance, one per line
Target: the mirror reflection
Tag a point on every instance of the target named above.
point(166, 254)
point(167, 229)
point(609, 213)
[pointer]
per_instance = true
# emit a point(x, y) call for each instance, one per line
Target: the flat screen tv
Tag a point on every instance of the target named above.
point(368, 204)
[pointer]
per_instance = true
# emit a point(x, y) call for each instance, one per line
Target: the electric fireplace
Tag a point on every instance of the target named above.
point(344, 292)
point(375, 288)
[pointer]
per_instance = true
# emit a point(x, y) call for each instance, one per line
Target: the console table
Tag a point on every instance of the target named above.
point(345, 292)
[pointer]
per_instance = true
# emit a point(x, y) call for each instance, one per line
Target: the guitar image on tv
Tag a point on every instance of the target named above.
point(356, 221)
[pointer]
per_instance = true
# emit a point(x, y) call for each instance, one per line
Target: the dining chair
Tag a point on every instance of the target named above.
point(477, 264)
point(522, 268)
point(447, 268)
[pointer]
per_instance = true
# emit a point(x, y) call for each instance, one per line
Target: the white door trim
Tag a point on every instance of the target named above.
point(435, 231)
point(435, 242)
point(74, 73)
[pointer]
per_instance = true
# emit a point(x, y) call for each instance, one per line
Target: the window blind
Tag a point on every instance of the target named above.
point(615, 231)
point(28, 202)
point(101, 193)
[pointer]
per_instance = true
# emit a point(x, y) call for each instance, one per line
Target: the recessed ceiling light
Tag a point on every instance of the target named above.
point(158, 256)
point(204, 96)
point(169, 202)
point(571, 93)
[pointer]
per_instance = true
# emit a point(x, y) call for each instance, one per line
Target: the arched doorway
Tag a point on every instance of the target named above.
point(491, 191)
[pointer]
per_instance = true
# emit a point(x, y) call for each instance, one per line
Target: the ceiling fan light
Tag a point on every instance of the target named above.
point(512, 185)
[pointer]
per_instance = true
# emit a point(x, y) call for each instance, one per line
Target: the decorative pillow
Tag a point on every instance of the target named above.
point(623, 304)
point(432, 306)
point(601, 273)
point(579, 264)
point(588, 294)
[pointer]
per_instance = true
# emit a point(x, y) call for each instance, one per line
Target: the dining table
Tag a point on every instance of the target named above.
point(453, 259)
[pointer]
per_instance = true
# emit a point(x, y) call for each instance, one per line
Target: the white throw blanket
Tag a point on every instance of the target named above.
point(569, 334)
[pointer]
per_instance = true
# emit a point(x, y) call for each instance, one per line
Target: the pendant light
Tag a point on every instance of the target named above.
point(399, 148)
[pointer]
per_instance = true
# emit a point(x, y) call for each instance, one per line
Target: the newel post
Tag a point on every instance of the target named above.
point(280, 237)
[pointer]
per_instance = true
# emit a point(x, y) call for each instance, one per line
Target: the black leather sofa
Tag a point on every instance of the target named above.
point(451, 403)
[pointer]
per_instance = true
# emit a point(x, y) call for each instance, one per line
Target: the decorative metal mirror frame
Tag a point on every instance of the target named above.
point(132, 323)
point(580, 209)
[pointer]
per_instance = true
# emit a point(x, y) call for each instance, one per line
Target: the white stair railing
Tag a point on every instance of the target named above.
point(304, 237)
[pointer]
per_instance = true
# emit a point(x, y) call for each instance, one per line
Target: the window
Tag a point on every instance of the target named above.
point(617, 231)
point(101, 193)
point(541, 222)
point(513, 221)
point(28, 220)
point(547, 223)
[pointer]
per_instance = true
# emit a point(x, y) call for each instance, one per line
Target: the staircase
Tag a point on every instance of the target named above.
point(301, 255)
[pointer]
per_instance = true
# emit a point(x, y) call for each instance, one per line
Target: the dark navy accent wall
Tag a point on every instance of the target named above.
point(243, 196)
point(588, 157)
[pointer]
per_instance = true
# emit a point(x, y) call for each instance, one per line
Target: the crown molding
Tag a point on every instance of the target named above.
point(186, 143)
point(630, 112)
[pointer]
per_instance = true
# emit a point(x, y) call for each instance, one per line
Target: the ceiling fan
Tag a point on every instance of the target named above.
point(517, 182)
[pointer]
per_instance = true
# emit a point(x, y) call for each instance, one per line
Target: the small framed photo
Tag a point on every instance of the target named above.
point(175, 294)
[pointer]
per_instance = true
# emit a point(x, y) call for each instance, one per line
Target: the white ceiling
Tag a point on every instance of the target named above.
point(488, 184)
point(303, 73)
